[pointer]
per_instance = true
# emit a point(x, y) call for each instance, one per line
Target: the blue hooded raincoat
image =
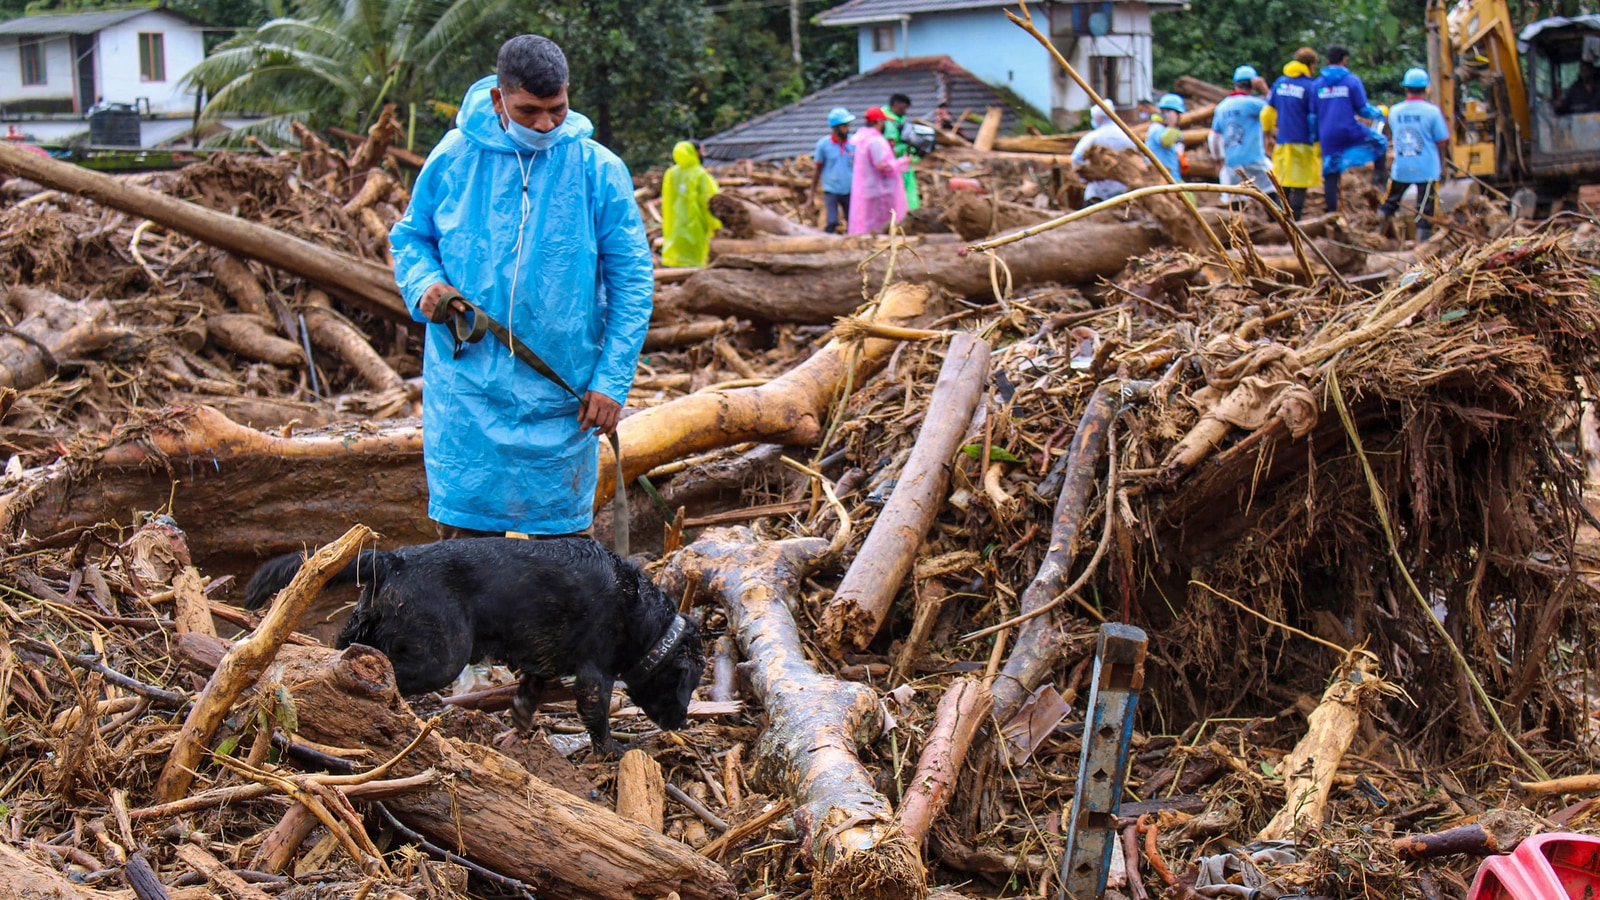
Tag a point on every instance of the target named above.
point(501, 443)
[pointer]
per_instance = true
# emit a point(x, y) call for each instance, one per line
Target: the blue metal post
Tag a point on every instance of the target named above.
point(1107, 730)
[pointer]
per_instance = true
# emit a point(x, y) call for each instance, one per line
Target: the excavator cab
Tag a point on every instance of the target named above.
point(1563, 63)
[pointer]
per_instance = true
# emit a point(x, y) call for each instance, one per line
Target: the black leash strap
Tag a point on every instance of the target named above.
point(468, 326)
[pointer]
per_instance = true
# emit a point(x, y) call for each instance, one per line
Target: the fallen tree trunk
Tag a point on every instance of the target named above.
point(664, 337)
point(367, 283)
point(818, 288)
point(252, 494)
point(502, 817)
point(52, 329)
point(1171, 210)
point(1308, 770)
point(821, 243)
point(743, 219)
point(863, 598)
point(1197, 89)
point(816, 723)
point(963, 709)
point(1038, 648)
point(787, 410)
point(334, 333)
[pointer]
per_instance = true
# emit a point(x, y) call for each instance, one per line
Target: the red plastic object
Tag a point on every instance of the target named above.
point(966, 184)
point(1558, 866)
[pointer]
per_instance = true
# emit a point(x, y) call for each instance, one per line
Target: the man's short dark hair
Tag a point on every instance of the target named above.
point(532, 63)
point(899, 98)
point(1337, 54)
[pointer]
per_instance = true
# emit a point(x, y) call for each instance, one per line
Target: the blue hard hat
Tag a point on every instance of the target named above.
point(1415, 78)
point(839, 116)
point(1172, 102)
point(1245, 73)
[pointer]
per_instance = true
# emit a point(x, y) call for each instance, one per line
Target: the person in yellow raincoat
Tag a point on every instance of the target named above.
point(1296, 160)
point(686, 219)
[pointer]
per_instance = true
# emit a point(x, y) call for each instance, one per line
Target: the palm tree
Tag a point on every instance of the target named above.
point(336, 61)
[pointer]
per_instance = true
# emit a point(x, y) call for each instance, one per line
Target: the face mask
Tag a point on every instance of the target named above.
point(527, 138)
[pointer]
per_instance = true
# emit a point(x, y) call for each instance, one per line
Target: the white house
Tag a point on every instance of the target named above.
point(54, 67)
point(1108, 42)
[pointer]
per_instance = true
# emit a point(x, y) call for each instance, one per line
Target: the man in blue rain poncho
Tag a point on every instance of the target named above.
point(525, 216)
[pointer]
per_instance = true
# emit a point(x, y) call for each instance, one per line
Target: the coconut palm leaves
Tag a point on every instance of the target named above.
point(337, 61)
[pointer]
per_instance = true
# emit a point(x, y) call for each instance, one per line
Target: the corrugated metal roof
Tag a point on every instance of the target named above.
point(82, 23)
point(861, 11)
point(793, 130)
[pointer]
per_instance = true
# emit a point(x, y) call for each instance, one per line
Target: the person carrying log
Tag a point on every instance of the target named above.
point(521, 213)
point(1105, 134)
point(1297, 158)
point(1339, 104)
point(835, 157)
point(1236, 135)
point(1420, 134)
point(877, 191)
point(686, 219)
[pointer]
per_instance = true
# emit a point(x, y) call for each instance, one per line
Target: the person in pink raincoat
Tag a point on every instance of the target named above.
point(878, 189)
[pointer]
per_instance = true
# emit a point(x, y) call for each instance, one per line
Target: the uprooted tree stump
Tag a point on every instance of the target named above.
point(501, 817)
point(816, 723)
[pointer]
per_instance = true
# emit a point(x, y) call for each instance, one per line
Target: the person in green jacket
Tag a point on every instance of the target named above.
point(899, 104)
point(686, 219)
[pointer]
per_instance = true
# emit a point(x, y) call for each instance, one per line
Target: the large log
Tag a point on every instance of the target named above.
point(787, 410)
point(245, 494)
point(52, 330)
point(364, 282)
point(504, 818)
point(975, 218)
point(818, 288)
point(862, 600)
point(821, 243)
point(816, 723)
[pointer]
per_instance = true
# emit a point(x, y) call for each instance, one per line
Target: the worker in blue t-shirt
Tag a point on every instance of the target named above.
point(1236, 134)
point(1347, 143)
point(835, 157)
point(1165, 138)
point(1420, 134)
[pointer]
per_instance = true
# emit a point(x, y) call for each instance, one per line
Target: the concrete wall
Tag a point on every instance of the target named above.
point(57, 74)
point(986, 44)
point(117, 62)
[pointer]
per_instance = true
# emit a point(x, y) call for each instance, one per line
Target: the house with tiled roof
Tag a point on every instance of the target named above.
point(1108, 42)
point(793, 130)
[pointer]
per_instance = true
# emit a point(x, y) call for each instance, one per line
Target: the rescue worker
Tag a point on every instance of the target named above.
point(877, 192)
point(1420, 134)
point(1165, 138)
point(1340, 98)
point(1296, 159)
point(1236, 136)
point(835, 157)
point(899, 105)
point(1105, 134)
point(686, 219)
point(519, 211)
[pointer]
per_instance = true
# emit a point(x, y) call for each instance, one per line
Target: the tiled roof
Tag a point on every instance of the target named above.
point(861, 11)
point(794, 129)
point(82, 23)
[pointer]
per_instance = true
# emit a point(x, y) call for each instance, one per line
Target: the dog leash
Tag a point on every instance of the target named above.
point(469, 326)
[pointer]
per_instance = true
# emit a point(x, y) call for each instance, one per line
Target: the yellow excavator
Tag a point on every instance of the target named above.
point(1523, 107)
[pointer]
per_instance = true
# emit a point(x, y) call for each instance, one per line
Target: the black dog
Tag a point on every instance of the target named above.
point(546, 608)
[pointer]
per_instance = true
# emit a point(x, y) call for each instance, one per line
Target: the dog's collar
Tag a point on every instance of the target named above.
point(663, 649)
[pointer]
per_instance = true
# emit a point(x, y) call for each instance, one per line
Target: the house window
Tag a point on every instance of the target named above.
point(152, 57)
point(883, 39)
point(32, 62)
point(1112, 78)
